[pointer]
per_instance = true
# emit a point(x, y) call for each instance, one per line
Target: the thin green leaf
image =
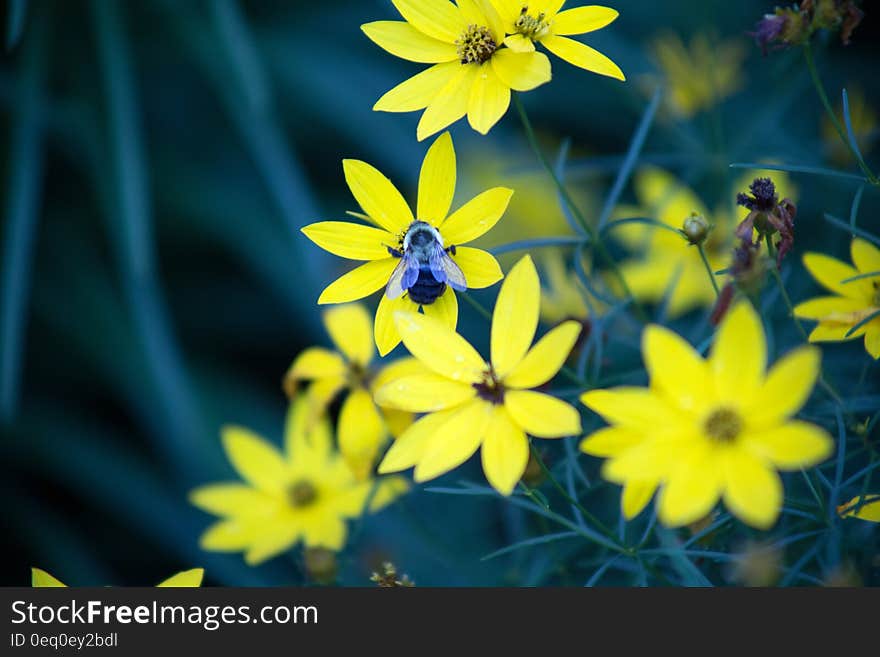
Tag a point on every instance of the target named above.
point(834, 221)
point(647, 221)
point(850, 133)
point(538, 540)
point(855, 327)
point(870, 274)
point(526, 245)
point(797, 168)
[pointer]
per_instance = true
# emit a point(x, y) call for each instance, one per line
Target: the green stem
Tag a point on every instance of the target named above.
point(596, 243)
point(708, 269)
point(820, 89)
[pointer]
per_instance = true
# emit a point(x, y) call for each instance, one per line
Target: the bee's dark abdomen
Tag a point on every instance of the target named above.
point(426, 289)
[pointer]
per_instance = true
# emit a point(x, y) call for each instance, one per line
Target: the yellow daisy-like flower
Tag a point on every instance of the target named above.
point(664, 263)
point(304, 494)
point(382, 244)
point(541, 21)
point(474, 404)
point(853, 302)
point(869, 509)
point(186, 579)
point(471, 73)
point(363, 427)
point(562, 297)
point(707, 429)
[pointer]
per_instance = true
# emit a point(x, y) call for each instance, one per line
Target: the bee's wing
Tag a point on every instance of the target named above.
point(446, 271)
point(403, 277)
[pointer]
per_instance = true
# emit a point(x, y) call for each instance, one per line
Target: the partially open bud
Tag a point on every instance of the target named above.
point(321, 565)
point(533, 475)
point(696, 228)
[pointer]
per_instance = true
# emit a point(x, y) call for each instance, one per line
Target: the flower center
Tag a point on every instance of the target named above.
point(476, 45)
point(302, 493)
point(358, 376)
point(723, 425)
point(490, 387)
point(533, 27)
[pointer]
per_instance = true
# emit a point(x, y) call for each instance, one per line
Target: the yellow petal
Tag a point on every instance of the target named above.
point(581, 55)
point(519, 43)
point(836, 332)
point(872, 339)
point(830, 272)
point(359, 282)
point(828, 307)
point(649, 459)
point(232, 500)
point(489, 100)
point(387, 335)
point(439, 19)
point(870, 509)
point(418, 91)
point(403, 40)
point(444, 309)
point(186, 579)
point(272, 543)
point(542, 415)
point(515, 317)
point(258, 462)
point(408, 449)
point(316, 363)
point(505, 452)
point(442, 350)
point(377, 196)
point(521, 71)
point(455, 441)
point(639, 408)
point(437, 181)
point(388, 489)
point(739, 355)
point(41, 579)
point(611, 441)
point(691, 491)
point(423, 393)
point(546, 358)
point(865, 256)
point(791, 446)
point(351, 330)
point(229, 536)
point(307, 434)
point(482, 12)
point(676, 369)
point(349, 240)
point(321, 392)
point(361, 432)
point(450, 102)
point(480, 268)
point(635, 497)
point(753, 492)
point(787, 387)
point(397, 421)
point(581, 20)
point(476, 217)
point(397, 369)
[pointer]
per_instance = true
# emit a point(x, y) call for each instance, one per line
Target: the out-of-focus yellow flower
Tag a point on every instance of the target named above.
point(699, 75)
point(304, 494)
point(664, 263)
point(363, 427)
point(471, 73)
point(869, 509)
point(707, 429)
point(528, 22)
point(386, 246)
point(562, 295)
point(853, 302)
point(186, 579)
point(864, 125)
point(474, 404)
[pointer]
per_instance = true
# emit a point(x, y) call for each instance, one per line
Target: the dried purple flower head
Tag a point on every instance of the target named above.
point(768, 216)
point(768, 30)
point(763, 196)
point(783, 28)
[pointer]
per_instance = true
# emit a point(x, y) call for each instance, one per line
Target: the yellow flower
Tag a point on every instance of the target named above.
point(664, 262)
point(188, 578)
point(700, 75)
point(305, 493)
point(541, 21)
point(363, 427)
point(562, 297)
point(869, 510)
point(394, 221)
point(471, 73)
point(472, 403)
point(853, 301)
point(707, 429)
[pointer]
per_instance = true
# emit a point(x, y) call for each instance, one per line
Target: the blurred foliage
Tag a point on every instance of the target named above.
point(159, 160)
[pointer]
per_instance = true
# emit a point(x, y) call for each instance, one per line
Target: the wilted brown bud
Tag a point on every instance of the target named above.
point(321, 565)
point(533, 476)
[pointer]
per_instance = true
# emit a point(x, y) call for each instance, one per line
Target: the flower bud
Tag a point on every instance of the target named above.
point(321, 565)
point(696, 228)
